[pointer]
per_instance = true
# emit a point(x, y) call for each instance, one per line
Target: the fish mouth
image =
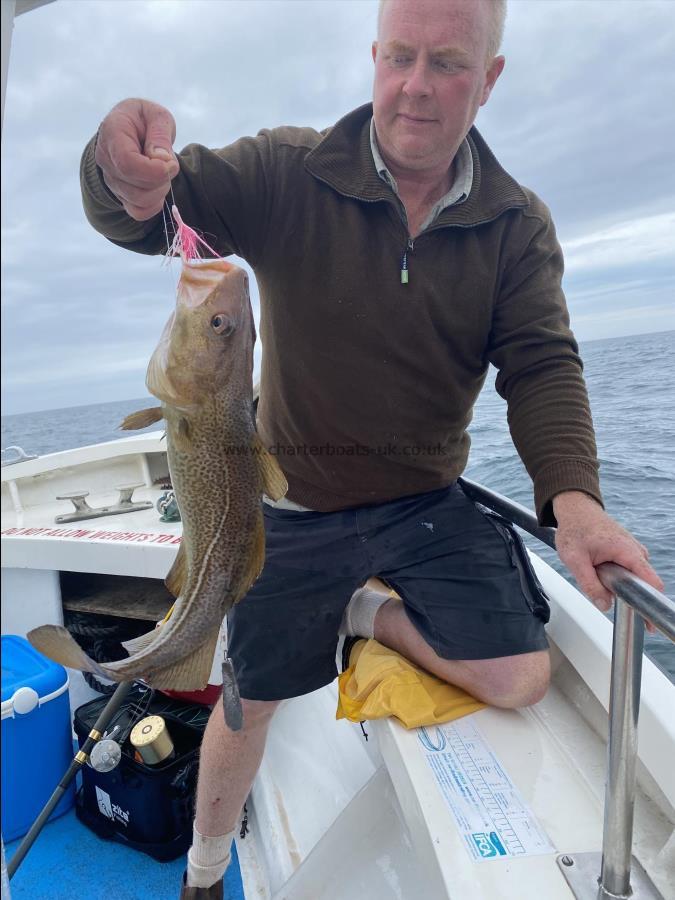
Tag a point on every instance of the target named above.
point(211, 308)
point(198, 279)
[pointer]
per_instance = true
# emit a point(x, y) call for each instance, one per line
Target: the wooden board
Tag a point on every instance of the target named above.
point(115, 595)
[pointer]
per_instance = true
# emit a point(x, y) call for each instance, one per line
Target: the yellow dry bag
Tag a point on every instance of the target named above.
point(380, 682)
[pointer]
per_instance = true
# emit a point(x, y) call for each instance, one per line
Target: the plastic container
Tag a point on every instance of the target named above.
point(37, 744)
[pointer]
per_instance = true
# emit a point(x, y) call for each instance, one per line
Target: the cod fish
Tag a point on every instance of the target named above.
point(202, 372)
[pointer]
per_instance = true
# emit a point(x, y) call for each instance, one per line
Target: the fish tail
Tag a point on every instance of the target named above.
point(58, 644)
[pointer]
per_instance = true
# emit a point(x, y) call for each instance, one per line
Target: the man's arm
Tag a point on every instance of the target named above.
point(587, 537)
point(540, 376)
point(129, 174)
point(540, 372)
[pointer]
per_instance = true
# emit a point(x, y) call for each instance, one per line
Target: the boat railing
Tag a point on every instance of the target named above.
point(590, 875)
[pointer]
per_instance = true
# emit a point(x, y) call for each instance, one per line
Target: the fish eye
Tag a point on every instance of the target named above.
point(222, 325)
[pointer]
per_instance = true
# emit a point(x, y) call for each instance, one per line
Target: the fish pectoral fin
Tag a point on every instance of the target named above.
point(177, 577)
point(190, 673)
point(58, 644)
point(181, 435)
point(142, 419)
point(273, 479)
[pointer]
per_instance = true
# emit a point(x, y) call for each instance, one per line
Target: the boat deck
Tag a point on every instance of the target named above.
point(69, 861)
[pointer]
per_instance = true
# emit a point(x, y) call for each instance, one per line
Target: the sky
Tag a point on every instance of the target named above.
point(584, 114)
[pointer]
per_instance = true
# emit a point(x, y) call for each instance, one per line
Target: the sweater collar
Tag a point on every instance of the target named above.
point(343, 159)
point(461, 183)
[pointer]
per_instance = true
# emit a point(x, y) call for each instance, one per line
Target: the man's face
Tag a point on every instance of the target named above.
point(431, 76)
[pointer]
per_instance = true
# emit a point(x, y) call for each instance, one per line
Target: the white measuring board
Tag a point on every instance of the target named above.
point(492, 817)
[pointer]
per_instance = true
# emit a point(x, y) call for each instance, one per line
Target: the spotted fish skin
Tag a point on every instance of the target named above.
point(202, 372)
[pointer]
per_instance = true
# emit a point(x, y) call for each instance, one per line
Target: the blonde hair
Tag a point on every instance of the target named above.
point(496, 35)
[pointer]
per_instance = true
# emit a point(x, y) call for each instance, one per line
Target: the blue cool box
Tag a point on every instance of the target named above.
point(37, 745)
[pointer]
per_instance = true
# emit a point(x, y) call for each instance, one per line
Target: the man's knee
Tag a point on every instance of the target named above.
point(512, 682)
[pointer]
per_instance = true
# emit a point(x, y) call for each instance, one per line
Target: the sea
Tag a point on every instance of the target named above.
point(631, 383)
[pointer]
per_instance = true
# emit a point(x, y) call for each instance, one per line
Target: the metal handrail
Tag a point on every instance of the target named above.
point(632, 595)
point(642, 597)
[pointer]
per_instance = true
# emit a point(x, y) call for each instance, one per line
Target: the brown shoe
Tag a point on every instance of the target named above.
point(215, 892)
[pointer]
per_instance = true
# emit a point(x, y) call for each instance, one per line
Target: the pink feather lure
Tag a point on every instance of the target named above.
point(186, 242)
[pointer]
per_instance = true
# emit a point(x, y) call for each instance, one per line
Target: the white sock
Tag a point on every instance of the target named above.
point(359, 616)
point(208, 857)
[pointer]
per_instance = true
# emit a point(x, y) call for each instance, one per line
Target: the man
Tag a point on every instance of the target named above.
point(395, 259)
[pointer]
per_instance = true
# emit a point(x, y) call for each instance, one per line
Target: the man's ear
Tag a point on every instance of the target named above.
point(494, 71)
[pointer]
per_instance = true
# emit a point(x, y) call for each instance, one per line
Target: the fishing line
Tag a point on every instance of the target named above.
point(134, 713)
point(168, 256)
point(142, 704)
point(169, 241)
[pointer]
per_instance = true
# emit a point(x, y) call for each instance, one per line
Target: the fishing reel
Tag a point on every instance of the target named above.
point(150, 739)
point(106, 754)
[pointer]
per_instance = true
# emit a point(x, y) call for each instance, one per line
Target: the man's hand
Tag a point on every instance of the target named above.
point(587, 536)
point(134, 152)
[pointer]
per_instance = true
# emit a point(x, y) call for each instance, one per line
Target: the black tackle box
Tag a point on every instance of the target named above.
point(149, 808)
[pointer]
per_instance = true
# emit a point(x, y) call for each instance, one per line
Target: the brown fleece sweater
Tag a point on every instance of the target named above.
point(367, 383)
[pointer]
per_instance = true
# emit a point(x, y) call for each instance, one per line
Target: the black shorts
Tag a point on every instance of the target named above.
point(465, 580)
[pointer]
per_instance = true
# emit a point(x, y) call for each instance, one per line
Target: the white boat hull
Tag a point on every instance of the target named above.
point(332, 816)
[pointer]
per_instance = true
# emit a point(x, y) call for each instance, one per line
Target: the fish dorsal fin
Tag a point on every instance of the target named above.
point(190, 673)
point(142, 419)
point(273, 479)
point(177, 577)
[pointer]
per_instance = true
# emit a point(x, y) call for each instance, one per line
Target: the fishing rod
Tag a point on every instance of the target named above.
point(80, 758)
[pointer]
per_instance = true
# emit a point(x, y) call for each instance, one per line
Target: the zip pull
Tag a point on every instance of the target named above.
point(404, 261)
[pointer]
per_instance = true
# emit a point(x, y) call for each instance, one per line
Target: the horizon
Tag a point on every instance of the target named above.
point(140, 399)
